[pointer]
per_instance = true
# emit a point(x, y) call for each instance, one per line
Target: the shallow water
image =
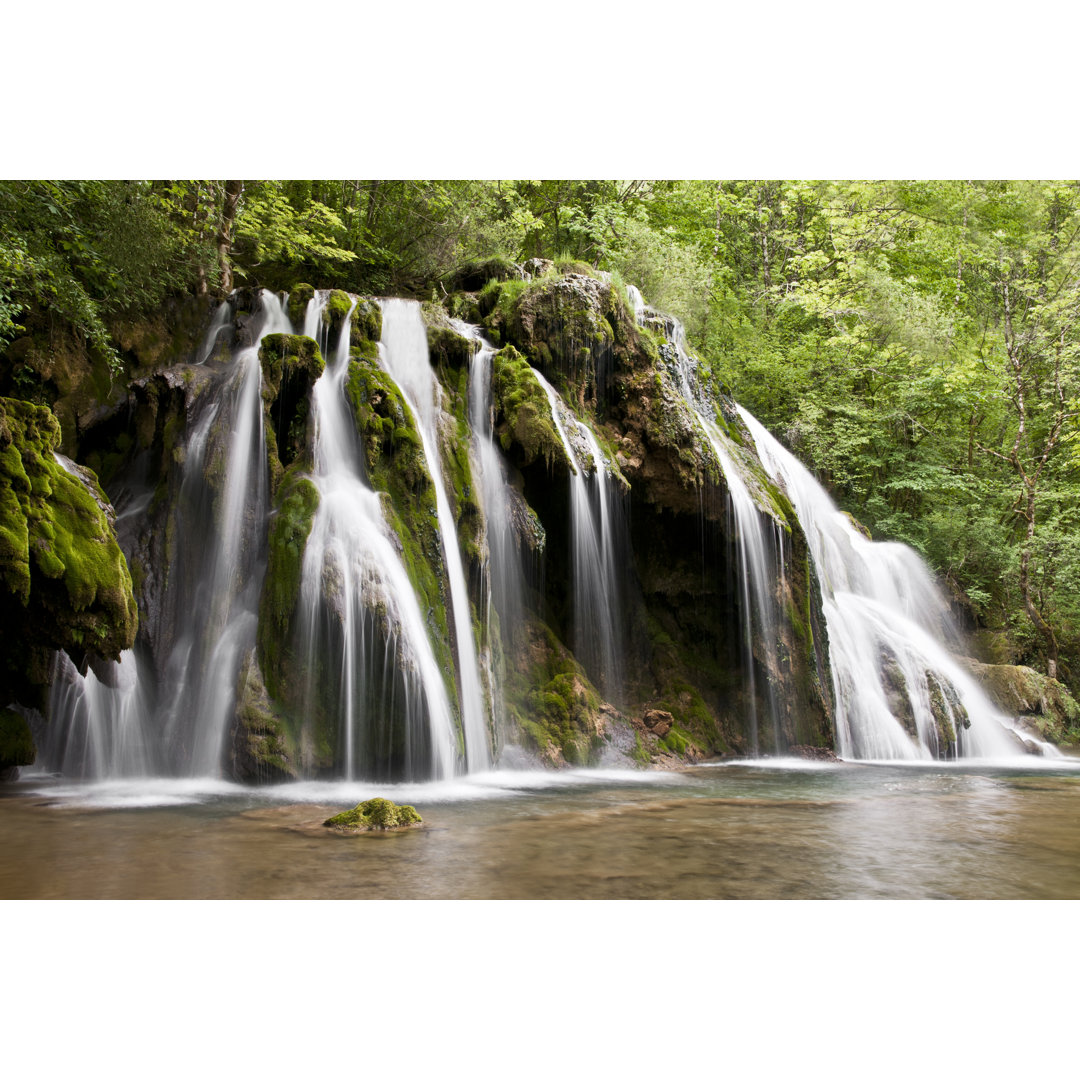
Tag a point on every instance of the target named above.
point(772, 830)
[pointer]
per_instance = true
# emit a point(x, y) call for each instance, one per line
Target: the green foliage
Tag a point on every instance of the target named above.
point(87, 250)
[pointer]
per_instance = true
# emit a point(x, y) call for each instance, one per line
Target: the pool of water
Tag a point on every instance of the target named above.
point(768, 830)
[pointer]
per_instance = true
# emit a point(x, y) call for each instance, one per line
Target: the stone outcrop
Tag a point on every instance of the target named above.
point(1043, 706)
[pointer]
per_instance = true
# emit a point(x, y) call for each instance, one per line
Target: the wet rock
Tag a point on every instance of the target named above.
point(812, 753)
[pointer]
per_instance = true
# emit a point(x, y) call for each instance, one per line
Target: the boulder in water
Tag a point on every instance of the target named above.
point(374, 815)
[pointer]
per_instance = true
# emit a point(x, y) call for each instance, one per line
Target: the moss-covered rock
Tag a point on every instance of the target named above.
point(374, 815)
point(552, 706)
point(337, 308)
point(573, 324)
point(447, 347)
point(288, 356)
point(1042, 704)
point(523, 420)
point(395, 464)
point(366, 327)
point(290, 526)
point(16, 741)
point(291, 364)
point(260, 750)
point(299, 298)
point(65, 581)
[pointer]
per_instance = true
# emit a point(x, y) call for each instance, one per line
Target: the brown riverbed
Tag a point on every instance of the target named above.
point(734, 832)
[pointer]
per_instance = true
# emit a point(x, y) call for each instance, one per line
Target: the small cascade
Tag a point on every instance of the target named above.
point(760, 561)
point(221, 321)
point(598, 627)
point(98, 721)
point(364, 631)
point(759, 538)
point(404, 354)
point(899, 690)
point(504, 572)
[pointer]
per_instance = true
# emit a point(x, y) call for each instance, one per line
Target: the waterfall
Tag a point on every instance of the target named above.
point(597, 617)
point(361, 620)
point(899, 691)
point(404, 354)
point(98, 721)
point(216, 578)
point(759, 538)
point(505, 571)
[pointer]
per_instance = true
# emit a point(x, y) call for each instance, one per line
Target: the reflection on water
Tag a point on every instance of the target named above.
point(747, 831)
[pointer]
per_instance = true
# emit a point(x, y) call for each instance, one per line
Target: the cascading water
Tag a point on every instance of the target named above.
point(218, 575)
point(98, 728)
point(361, 620)
point(597, 616)
point(503, 572)
point(404, 354)
point(759, 537)
point(899, 691)
point(210, 599)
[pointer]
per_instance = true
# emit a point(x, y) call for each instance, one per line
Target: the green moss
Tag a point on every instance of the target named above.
point(294, 512)
point(551, 700)
point(447, 346)
point(291, 365)
point(366, 327)
point(523, 412)
point(337, 308)
point(299, 297)
point(262, 749)
point(375, 814)
point(53, 529)
point(395, 463)
point(288, 358)
point(16, 742)
point(640, 754)
point(676, 741)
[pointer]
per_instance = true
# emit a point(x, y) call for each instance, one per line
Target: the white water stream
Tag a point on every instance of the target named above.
point(598, 636)
point(404, 353)
point(353, 576)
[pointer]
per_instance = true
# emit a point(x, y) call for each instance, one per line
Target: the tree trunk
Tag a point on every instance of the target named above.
point(1040, 624)
point(233, 190)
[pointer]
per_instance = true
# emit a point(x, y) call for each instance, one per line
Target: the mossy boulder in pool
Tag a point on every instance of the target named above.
point(375, 815)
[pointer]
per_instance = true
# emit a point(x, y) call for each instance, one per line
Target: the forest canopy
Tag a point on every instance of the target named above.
point(915, 343)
